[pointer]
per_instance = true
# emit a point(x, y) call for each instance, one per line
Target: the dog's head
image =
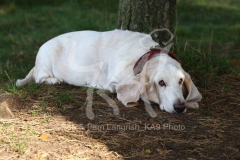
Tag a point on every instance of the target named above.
point(164, 82)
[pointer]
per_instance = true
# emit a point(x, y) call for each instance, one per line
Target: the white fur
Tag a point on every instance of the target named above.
point(105, 60)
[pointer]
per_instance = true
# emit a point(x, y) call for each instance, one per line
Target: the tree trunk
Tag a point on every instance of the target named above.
point(146, 15)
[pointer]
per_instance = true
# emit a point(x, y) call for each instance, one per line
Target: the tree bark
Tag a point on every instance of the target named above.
point(146, 15)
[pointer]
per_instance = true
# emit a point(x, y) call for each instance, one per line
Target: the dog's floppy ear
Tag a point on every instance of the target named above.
point(129, 92)
point(190, 92)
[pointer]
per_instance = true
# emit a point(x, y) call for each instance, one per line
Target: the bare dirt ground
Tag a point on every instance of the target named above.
point(43, 129)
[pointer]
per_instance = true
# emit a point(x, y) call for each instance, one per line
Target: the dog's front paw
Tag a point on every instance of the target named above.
point(192, 105)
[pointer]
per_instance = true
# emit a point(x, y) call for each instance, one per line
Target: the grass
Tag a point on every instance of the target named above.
point(18, 142)
point(207, 35)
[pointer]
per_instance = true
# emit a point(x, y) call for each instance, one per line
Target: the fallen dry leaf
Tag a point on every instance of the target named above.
point(235, 62)
point(147, 151)
point(44, 137)
point(41, 157)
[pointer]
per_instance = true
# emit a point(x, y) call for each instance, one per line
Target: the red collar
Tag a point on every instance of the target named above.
point(147, 56)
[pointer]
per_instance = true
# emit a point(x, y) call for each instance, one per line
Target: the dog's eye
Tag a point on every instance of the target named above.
point(162, 83)
point(180, 81)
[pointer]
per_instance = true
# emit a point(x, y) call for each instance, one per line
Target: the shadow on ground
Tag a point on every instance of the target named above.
point(212, 132)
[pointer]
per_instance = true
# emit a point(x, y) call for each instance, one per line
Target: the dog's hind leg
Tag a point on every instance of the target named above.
point(41, 77)
point(52, 80)
point(45, 75)
point(28, 78)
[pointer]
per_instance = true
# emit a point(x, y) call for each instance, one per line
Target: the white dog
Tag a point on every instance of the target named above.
point(116, 61)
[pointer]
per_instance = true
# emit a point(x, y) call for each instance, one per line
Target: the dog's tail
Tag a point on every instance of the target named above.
point(28, 78)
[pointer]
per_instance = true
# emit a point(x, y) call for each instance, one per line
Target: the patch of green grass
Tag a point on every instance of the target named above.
point(208, 37)
point(227, 87)
point(205, 112)
point(5, 124)
point(199, 18)
point(62, 98)
point(20, 144)
point(44, 120)
point(32, 133)
point(8, 132)
point(33, 113)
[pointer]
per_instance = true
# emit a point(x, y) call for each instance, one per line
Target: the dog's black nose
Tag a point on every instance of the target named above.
point(179, 108)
